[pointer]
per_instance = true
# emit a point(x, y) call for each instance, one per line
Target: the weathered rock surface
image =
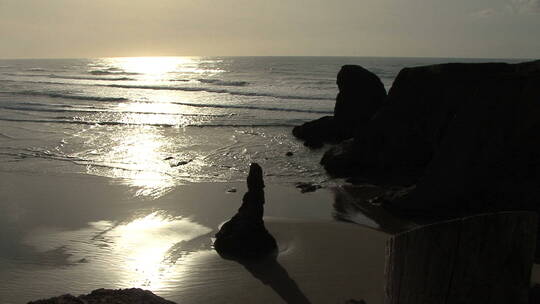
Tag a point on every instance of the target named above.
point(244, 236)
point(468, 136)
point(108, 296)
point(361, 93)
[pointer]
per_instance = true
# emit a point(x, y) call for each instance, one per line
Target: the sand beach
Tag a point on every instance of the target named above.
point(74, 233)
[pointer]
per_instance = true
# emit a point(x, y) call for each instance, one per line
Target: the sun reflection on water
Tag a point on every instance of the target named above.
point(159, 68)
point(123, 254)
point(135, 155)
point(135, 151)
point(142, 244)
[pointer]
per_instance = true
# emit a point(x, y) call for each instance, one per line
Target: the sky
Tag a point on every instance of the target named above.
point(397, 28)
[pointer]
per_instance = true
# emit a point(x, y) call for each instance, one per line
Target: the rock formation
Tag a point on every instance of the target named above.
point(468, 136)
point(361, 93)
point(108, 296)
point(244, 236)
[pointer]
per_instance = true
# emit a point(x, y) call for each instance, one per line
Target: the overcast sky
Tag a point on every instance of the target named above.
point(420, 28)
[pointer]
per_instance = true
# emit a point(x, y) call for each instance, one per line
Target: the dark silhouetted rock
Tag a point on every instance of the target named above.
point(361, 93)
point(467, 135)
point(289, 153)
point(353, 301)
point(108, 296)
point(308, 187)
point(181, 163)
point(534, 294)
point(316, 132)
point(428, 104)
point(244, 236)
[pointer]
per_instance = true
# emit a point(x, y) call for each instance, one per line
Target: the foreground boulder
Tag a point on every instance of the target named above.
point(361, 93)
point(244, 236)
point(108, 296)
point(468, 136)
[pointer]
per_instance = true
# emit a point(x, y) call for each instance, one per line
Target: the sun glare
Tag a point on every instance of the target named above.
point(145, 241)
point(156, 68)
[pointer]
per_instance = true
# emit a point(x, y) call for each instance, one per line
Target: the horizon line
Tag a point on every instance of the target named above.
point(267, 56)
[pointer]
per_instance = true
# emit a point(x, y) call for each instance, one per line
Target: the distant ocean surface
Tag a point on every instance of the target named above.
point(156, 122)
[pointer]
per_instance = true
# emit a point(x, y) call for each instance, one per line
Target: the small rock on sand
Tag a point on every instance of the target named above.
point(307, 187)
point(103, 296)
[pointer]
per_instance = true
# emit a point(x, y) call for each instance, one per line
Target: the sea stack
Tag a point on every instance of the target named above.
point(361, 93)
point(244, 236)
point(463, 137)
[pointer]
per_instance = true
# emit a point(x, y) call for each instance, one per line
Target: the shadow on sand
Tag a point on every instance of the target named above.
point(271, 273)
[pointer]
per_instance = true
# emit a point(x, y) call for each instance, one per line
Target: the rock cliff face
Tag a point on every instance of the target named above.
point(468, 136)
point(361, 93)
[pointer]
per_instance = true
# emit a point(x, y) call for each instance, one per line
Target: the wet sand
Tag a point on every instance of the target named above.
point(75, 233)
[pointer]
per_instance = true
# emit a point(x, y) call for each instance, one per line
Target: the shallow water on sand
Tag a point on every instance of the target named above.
point(75, 233)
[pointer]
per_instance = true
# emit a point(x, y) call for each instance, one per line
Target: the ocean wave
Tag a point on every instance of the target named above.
point(70, 96)
point(39, 153)
point(187, 89)
point(219, 91)
point(92, 78)
point(40, 82)
point(111, 72)
point(45, 104)
point(70, 77)
point(248, 107)
point(225, 83)
point(197, 105)
point(2, 135)
point(36, 69)
point(120, 123)
point(96, 111)
point(24, 75)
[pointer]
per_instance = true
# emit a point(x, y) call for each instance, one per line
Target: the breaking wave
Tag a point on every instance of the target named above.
point(225, 83)
point(119, 123)
point(111, 72)
point(210, 90)
point(92, 78)
point(92, 110)
point(70, 77)
point(70, 96)
point(247, 107)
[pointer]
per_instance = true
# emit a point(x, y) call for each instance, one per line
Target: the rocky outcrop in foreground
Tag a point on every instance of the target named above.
point(467, 135)
point(244, 236)
point(108, 296)
point(361, 93)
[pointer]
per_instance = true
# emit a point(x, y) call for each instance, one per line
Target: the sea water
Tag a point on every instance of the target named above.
point(152, 125)
point(156, 122)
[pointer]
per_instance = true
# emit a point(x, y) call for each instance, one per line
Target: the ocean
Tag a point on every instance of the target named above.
point(156, 122)
point(110, 165)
